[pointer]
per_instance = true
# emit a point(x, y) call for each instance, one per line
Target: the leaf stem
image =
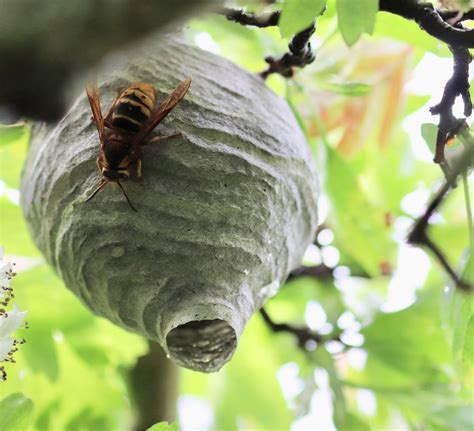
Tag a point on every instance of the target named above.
point(470, 222)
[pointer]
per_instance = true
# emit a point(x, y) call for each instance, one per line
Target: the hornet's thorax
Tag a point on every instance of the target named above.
point(127, 126)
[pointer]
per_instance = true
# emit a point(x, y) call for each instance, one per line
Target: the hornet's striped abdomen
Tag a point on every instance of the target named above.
point(134, 107)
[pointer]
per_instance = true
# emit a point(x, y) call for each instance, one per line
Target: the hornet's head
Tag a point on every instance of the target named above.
point(115, 175)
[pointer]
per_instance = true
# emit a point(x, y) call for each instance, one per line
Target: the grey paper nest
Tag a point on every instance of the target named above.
point(225, 212)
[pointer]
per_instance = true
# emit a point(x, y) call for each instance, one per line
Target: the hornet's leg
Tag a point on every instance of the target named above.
point(135, 162)
point(102, 183)
point(157, 139)
point(138, 170)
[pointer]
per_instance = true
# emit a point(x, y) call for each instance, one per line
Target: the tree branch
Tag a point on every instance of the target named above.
point(434, 22)
point(302, 333)
point(419, 235)
point(251, 19)
point(300, 55)
point(431, 21)
point(153, 388)
point(458, 85)
point(300, 52)
point(318, 271)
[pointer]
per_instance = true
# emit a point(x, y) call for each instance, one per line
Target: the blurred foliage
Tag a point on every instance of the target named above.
point(296, 15)
point(164, 426)
point(407, 357)
point(13, 134)
point(16, 412)
point(356, 18)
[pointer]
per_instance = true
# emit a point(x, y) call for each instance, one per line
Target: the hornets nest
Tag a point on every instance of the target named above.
point(225, 211)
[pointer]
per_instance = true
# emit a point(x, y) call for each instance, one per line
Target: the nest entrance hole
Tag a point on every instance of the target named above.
point(202, 345)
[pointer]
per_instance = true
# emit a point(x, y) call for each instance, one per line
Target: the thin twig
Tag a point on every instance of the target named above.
point(302, 333)
point(458, 85)
point(434, 22)
point(300, 55)
point(300, 52)
point(317, 271)
point(153, 383)
point(419, 235)
point(251, 19)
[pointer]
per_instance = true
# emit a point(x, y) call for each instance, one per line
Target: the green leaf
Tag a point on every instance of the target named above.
point(360, 225)
point(353, 89)
point(468, 350)
point(451, 238)
point(40, 352)
point(461, 313)
point(45, 418)
point(14, 234)
point(396, 27)
point(353, 423)
point(452, 418)
point(164, 426)
point(297, 15)
point(415, 102)
point(233, 389)
point(16, 412)
point(429, 132)
point(68, 350)
point(88, 419)
point(12, 156)
point(13, 133)
point(436, 407)
point(411, 341)
point(379, 376)
point(469, 270)
point(460, 320)
point(355, 18)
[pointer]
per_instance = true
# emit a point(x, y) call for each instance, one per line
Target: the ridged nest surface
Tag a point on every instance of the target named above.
point(225, 212)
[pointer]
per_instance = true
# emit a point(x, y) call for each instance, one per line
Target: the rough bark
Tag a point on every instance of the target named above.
point(224, 214)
